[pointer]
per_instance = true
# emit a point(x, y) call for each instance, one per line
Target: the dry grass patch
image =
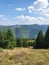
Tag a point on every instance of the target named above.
point(24, 56)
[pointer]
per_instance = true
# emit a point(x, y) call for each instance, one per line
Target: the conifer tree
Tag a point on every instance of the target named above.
point(40, 40)
point(10, 39)
point(46, 44)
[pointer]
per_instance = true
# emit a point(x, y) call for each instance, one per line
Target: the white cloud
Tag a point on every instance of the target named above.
point(4, 20)
point(23, 20)
point(2, 17)
point(31, 20)
point(30, 9)
point(45, 12)
point(38, 5)
point(47, 15)
point(20, 9)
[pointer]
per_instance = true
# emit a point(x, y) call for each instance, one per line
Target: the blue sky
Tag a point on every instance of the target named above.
point(24, 12)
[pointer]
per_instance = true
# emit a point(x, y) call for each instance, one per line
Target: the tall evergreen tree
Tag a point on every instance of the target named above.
point(2, 39)
point(10, 39)
point(46, 44)
point(40, 40)
point(4, 44)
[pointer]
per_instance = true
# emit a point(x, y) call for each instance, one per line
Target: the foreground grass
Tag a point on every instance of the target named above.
point(24, 56)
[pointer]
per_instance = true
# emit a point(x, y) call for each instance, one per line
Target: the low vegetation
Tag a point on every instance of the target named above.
point(24, 56)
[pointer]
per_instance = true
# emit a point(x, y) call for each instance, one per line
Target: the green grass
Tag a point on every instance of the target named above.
point(24, 56)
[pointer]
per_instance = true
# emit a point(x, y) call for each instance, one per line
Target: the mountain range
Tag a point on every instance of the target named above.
point(26, 31)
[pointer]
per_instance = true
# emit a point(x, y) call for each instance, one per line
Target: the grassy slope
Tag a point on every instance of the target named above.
point(24, 56)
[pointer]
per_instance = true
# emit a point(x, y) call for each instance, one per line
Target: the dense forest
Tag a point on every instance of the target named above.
point(8, 40)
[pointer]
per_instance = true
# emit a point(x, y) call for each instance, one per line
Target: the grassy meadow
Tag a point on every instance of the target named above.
point(24, 56)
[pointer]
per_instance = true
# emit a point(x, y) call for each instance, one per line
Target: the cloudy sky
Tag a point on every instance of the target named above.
point(22, 12)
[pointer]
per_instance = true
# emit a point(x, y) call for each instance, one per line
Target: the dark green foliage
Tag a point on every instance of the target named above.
point(33, 44)
point(22, 43)
point(10, 39)
point(25, 44)
point(7, 39)
point(40, 40)
point(2, 39)
point(19, 42)
point(4, 44)
point(46, 44)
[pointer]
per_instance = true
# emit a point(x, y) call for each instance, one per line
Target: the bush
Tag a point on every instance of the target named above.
point(1, 50)
point(19, 42)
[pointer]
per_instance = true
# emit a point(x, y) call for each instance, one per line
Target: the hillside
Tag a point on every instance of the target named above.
point(25, 31)
point(24, 56)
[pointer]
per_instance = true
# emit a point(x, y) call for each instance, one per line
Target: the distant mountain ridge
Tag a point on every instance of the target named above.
point(26, 31)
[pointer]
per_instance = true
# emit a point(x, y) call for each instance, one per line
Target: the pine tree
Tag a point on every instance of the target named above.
point(4, 44)
point(46, 44)
point(10, 39)
point(2, 39)
point(40, 40)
